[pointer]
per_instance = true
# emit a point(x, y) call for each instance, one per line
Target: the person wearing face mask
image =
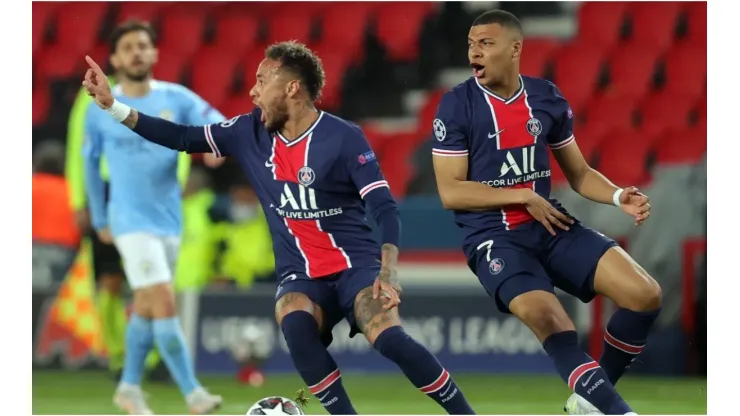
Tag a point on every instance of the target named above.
point(243, 246)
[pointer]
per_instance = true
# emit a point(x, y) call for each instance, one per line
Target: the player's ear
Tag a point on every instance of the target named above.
point(114, 61)
point(292, 88)
point(517, 48)
point(155, 56)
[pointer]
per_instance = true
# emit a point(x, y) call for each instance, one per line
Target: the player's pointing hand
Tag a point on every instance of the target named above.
point(96, 85)
point(635, 204)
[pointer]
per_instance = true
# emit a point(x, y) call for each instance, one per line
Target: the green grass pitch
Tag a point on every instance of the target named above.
point(85, 393)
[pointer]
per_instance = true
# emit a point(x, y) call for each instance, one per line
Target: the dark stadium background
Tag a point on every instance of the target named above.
point(635, 76)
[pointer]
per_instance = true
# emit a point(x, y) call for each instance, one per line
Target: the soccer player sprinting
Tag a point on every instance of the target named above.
point(313, 173)
point(491, 136)
point(142, 215)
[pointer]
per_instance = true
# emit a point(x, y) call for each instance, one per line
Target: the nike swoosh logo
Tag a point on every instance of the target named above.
point(585, 383)
point(491, 136)
point(268, 164)
point(321, 399)
point(446, 390)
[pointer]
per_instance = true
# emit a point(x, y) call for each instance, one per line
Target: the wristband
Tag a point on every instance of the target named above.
point(615, 197)
point(119, 111)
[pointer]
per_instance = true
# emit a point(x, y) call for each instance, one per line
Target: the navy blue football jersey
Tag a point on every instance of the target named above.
point(311, 189)
point(505, 140)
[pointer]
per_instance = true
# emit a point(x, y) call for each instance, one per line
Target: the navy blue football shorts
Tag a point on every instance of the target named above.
point(335, 294)
point(528, 258)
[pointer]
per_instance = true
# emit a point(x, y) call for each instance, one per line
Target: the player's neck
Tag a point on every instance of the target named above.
point(304, 117)
point(135, 89)
point(507, 88)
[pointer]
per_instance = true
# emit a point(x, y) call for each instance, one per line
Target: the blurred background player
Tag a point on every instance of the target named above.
point(327, 259)
point(142, 213)
point(491, 160)
point(107, 267)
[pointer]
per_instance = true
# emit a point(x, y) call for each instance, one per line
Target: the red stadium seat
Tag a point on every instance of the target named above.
point(42, 14)
point(291, 25)
point(335, 65)
point(78, 24)
point(700, 108)
point(41, 102)
point(664, 111)
point(59, 62)
point(601, 22)
point(236, 32)
point(696, 14)
point(577, 70)
point(537, 53)
point(631, 69)
point(343, 27)
point(654, 23)
point(428, 111)
point(170, 65)
point(590, 136)
point(681, 146)
point(623, 158)
point(396, 165)
point(140, 10)
point(399, 28)
point(614, 110)
point(182, 31)
point(686, 70)
point(236, 105)
point(212, 74)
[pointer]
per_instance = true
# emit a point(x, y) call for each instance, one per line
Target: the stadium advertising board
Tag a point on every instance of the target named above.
point(464, 330)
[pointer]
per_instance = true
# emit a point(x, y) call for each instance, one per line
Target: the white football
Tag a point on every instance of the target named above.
point(275, 406)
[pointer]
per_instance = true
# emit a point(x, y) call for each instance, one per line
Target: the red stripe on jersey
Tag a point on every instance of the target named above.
point(515, 142)
point(317, 247)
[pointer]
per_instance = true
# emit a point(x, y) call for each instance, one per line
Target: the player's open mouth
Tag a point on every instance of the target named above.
point(477, 70)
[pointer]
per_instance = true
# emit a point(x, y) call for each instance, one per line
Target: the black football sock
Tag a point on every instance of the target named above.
point(625, 337)
point(314, 363)
point(422, 369)
point(583, 374)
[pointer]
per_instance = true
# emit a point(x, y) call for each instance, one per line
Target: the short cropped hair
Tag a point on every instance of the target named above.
point(131, 26)
point(301, 61)
point(501, 17)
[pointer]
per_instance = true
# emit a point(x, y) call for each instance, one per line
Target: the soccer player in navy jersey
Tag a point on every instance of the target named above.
point(313, 173)
point(491, 136)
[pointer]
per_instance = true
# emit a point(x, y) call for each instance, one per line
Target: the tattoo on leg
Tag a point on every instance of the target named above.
point(369, 312)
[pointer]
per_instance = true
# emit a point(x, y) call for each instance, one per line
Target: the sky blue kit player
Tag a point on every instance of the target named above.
point(142, 214)
point(314, 174)
point(491, 139)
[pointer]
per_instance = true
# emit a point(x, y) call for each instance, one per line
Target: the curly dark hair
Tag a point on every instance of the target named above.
point(302, 62)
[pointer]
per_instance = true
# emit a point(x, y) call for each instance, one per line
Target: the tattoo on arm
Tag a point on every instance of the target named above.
point(131, 120)
point(389, 259)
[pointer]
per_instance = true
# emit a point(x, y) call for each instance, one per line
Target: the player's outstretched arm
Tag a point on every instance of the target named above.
point(591, 184)
point(458, 193)
point(189, 139)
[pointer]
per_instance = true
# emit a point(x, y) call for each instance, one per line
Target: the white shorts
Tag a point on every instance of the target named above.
point(148, 260)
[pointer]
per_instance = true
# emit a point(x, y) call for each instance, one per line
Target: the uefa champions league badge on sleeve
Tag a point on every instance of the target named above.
point(440, 131)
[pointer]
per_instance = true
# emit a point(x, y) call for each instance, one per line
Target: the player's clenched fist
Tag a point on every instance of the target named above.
point(543, 211)
point(635, 204)
point(96, 85)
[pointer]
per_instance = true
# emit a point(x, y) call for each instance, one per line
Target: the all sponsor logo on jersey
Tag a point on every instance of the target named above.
point(306, 176)
point(302, 205)
point(520, 163)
